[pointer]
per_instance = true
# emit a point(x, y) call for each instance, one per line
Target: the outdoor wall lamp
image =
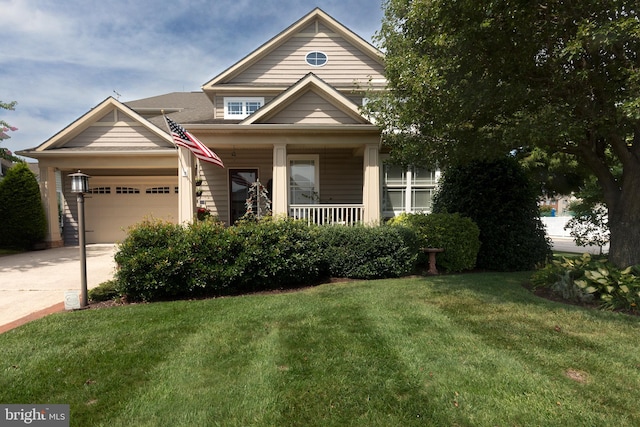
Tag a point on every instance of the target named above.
point(80, 185)
point(79, 182)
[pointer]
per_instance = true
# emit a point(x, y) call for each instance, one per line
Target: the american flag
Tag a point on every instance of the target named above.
point(184, 139)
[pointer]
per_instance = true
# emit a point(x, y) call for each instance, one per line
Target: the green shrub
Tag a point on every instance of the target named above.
point(362, 252)
point(159, 260)
point(23, 222)
point(104, 292)
point(501, 199)
point(276, 254)
point(214, 250)
point(154, 262)
point(457, 235)
point(588, 278)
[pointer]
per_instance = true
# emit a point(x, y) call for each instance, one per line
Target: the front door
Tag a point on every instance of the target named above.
point(239, 182)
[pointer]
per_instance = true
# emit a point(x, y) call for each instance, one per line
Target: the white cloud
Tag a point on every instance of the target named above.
point(65, 57)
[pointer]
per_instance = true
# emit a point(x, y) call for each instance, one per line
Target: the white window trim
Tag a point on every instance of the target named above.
point(306, 60)
point(244, 100)
point(408, 193)
point(316, 172)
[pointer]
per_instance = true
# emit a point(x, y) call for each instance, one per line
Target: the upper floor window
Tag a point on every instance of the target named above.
point(238, 108)
point(316, 58)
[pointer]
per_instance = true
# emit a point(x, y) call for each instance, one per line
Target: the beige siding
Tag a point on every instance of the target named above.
point(115, 116)
point(286, 64)
point(310, 108)
point(110, 117)
point(341, 177)
point(121, 135)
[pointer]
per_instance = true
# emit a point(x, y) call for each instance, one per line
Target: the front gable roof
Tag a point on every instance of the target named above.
point(341, 107)
point(315, 24)
point(107, 115)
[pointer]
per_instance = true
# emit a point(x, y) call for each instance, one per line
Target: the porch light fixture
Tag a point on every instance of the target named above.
point(79, 182)
point(80, 185)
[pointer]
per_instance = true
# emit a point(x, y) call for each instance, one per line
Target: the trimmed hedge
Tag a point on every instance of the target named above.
point(457, 235)
point(277, 254)
point(361, 252)
point(159, 260)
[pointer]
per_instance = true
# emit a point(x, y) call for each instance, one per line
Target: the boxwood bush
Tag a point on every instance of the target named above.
point(275, 254)
point(362, 252)
point(154, 262)
point(457, 235)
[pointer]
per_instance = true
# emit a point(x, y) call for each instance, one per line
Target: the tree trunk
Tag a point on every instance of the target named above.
point(624, 226)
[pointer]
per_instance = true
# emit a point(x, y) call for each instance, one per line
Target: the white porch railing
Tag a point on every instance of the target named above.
point(328, 214)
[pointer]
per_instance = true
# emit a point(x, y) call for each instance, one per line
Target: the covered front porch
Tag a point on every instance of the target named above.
point(321, 179)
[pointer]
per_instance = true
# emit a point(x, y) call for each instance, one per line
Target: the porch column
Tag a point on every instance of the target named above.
point(49, 195)
point(371, 190)
point(186, 185)
point(280, 195)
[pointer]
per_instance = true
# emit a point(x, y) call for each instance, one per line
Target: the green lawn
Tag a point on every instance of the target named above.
point(458, 350)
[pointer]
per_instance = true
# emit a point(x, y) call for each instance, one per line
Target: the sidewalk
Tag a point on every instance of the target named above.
point(31, 282)
point(566, 244)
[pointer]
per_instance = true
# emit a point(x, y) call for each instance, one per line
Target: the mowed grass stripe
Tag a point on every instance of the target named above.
point(473, 349)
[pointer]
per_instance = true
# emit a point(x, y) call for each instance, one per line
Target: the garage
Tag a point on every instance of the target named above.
point(113, 204)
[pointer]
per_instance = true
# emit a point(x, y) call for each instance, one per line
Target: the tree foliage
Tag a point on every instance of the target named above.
point(23, 218)
point(4, 126)
point(479, 79)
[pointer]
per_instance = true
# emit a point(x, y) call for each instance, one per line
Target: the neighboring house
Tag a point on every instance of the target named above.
point(288, 114)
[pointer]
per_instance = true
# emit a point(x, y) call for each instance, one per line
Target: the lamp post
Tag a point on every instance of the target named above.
point(80, 185)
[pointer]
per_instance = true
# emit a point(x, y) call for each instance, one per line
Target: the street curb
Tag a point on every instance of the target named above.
point(33, 316)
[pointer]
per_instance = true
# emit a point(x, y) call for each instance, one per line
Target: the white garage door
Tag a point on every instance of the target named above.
point(116, 203)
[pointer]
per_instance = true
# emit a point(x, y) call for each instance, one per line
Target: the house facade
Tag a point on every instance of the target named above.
point(288, 115)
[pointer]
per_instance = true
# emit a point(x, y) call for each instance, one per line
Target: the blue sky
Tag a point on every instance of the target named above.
point(61, 58)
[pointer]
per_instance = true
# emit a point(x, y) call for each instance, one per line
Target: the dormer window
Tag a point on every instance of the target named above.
point(237, 108)
point(316, 58)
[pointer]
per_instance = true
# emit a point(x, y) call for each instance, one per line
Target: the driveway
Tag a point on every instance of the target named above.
point(34, 281)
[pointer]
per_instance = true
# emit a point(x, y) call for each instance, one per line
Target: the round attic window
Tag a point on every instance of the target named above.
point(316, 58)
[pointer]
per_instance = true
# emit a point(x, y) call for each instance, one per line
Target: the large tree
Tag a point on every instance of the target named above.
point(476, 79)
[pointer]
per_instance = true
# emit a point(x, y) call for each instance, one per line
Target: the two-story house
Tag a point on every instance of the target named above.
point(287, 114)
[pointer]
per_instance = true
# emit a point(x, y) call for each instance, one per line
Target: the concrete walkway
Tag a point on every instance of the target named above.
point(31, 282)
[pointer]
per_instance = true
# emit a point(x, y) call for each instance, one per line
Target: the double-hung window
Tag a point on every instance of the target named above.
point(237, 108)
point(407, 190)
point(303, 179)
